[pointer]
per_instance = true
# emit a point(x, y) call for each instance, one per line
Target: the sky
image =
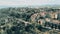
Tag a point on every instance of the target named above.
point(28, 2)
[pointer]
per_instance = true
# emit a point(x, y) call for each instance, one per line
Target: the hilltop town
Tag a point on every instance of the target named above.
point(47, 17)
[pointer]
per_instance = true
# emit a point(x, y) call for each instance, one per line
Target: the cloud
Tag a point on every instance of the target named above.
point(8, 3)
point(27, 2)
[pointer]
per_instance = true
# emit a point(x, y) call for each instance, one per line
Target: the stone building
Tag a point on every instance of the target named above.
point(53, 15)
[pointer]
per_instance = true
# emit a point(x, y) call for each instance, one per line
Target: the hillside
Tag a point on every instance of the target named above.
point(24, 20)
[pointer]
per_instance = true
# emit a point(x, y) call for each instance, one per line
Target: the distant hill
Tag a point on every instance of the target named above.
point(36, 6)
